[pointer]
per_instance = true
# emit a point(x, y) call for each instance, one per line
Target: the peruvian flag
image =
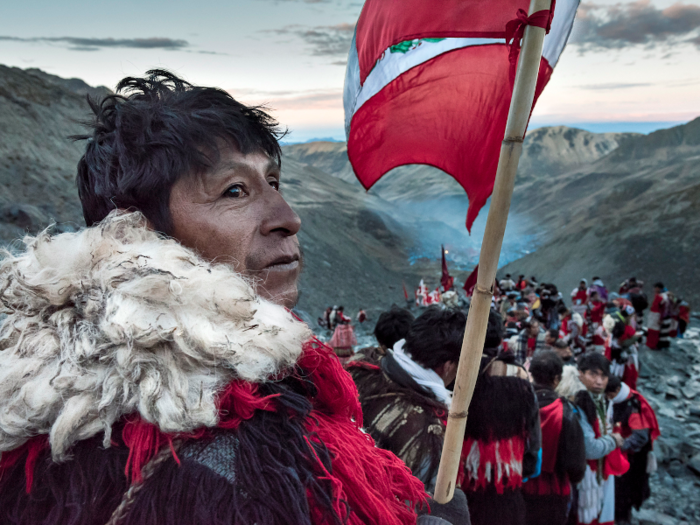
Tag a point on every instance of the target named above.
point(446, 280)
point(431, 82)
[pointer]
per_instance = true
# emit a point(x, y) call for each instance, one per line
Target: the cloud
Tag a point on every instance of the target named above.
point(330, 41)
point(292, 100)
point(93, 44)
point(614, 85)
point(635, 23)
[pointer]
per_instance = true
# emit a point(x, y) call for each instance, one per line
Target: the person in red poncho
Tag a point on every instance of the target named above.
point(579, 297)
point(547, 497)
point(343, 338)
point(658, 320)
point(633, 416)
point(151, 371)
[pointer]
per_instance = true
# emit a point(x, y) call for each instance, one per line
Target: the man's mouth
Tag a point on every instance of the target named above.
point(283, 264)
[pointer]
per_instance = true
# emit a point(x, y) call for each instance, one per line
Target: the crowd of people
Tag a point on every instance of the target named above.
point(557, 432)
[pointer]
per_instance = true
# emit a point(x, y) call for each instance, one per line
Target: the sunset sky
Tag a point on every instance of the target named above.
point(629, 66)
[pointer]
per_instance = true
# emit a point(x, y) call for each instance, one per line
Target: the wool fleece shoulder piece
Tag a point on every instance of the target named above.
point(114, 320)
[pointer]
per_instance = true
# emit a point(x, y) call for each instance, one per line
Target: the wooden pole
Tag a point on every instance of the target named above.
point(475, 333)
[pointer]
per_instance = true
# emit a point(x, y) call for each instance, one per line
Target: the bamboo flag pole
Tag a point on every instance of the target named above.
point(475, 333)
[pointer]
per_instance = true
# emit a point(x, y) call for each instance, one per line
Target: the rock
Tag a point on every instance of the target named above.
point(667, 411)
point(690, 394)
point(673, 381)
point(652, 517)
point(694, 410)
point(694, 464)
point(675, 468)
point(672, 392)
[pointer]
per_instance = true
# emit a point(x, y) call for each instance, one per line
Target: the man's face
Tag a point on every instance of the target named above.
point(234, 214)
point(534, 329)
point(611, 395)
point(582, 286)
point(594, 380)
point(549, 340)
point(565, 353)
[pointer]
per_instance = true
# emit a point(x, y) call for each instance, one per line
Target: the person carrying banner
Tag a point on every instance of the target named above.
point(144, 366)
point(503, 436)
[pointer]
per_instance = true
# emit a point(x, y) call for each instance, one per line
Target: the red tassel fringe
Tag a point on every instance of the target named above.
point(374, 482)
point(504, 457)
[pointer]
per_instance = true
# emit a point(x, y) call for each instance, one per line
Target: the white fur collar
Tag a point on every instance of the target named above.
point(114, 320)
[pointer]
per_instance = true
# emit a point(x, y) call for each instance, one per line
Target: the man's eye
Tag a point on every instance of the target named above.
point(275, 184)
point(234, 192)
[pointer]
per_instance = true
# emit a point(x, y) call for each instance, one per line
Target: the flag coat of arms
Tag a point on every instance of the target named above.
point(431, 82)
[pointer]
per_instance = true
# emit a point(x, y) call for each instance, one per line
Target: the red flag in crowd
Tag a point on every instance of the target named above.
point(470, 283)
point(405, 292)
point(429, 84)
point(446, 280)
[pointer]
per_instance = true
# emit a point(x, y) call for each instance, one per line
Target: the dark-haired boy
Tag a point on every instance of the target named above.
point(636, 421)
point(392, 326)
point(405, 399)
point(124, 432)
point(563, 450)
point(596, 492)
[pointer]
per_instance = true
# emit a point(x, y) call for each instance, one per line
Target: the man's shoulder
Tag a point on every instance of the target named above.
point(216, 453)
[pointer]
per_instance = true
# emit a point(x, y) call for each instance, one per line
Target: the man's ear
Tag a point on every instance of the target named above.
point(557, 380)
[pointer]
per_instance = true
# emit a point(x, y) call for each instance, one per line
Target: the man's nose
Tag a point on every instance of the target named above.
point(279, 216)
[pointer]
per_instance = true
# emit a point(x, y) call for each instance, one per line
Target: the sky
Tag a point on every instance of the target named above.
point(629, 66)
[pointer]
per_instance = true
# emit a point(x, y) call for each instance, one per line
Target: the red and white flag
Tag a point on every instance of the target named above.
point(431, 82)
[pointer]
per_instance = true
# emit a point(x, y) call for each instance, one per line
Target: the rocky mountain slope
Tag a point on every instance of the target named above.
point(37, 161)
point(546, 152)
point(635, 211)
point(609, 204)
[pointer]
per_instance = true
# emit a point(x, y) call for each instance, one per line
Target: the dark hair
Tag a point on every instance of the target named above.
point(507, 276)
point(393, 326)
point(594, 361)
point(614, 382)
point(494, 330)
point(553, 332)
point(560, 343)
point(436, 337)
point(161, 129)
point(545, 367)
point(659, 285)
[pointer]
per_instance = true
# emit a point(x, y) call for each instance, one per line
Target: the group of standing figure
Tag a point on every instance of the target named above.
point(557, 432)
